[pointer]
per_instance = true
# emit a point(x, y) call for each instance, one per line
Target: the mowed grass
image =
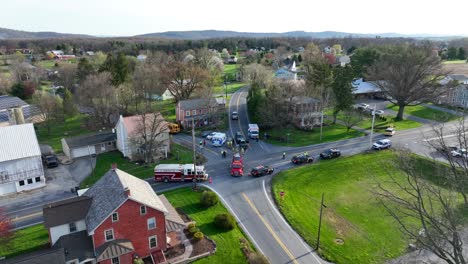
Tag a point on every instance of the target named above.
point(231, 88)
point(352, 213)
point(26, 240)
point(167, 109)
point(381, 125)
point(47, 64)
point(228, 242)
point(73, 126)
point(104, 163)
point(425, 112)
point(299, 138)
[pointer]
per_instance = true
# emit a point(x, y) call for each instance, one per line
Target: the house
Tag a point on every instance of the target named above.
point(456, 96)
point(288, 72)
point(167, 95)
point(116, 220)
point(86, 145)
point(20, 160)
point(129, 131)
point(460, 78)
point(330, 57)
point(202, 111)
point(305, 111)
point(13, 108)
point(363, 89)
point(343, 60)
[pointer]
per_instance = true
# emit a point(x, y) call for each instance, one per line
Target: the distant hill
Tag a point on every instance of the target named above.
point(210, 34)
point(6, 33)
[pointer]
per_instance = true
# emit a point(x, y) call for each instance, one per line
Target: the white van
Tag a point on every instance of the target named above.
point(218, 139)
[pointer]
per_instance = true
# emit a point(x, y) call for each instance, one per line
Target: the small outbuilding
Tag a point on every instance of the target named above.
point(80, 146)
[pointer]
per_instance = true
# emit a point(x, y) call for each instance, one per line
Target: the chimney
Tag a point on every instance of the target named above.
point(114, 166)
point(19, 116)
point(127, 191)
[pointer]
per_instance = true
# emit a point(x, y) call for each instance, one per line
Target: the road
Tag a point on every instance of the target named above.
point(249, 198)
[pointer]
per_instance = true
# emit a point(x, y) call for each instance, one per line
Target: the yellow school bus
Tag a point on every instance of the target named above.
point(173, 128)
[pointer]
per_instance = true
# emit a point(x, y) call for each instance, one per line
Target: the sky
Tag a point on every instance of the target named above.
point(133, 17)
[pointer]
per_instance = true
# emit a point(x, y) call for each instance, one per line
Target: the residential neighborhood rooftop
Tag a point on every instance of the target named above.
point(88, 140)
point(199, 103)
point(66, 211)
point(18, 142)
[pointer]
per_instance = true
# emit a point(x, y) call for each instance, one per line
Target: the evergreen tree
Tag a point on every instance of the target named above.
point(461, 53)
point(342, 89)
point(299, 58)
point(452, 53)
point(84, 69)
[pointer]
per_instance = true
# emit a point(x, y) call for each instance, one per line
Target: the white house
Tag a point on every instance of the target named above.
point(167, 95)
point(127, 135)
point(457, 96)
point(20, 159)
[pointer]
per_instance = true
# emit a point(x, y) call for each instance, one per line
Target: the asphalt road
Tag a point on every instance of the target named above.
point(249, 198)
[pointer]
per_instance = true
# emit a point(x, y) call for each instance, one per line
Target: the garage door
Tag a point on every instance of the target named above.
point(82, 151)
point(7, 188)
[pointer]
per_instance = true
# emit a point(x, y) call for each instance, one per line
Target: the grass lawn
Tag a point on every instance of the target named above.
point(231, 69)
point(231, 87)
point(47, 64)
point(352, 214)
point(299, 138)
point(105, 160)
point(167, 109)
point(228, 245)
point(425, 112)
point(71, 127)
point(454, 61)
point(26, 240)
point(380, 126)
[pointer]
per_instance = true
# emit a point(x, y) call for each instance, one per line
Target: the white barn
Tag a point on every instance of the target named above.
point(20, 160)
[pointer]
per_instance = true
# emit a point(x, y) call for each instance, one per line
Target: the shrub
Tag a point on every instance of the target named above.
point(138, 261)
point(191, 225)
point(256, 258)
point(209, 198)
point(198, 235)
point(225, 221)
point(193, 230)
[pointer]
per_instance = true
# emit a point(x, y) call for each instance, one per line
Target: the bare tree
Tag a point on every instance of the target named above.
point(67, 75)
point(146, 83)
point(98, 94)
point(351, 117)
point(408, 75)
point(50, 108)
point(6, 229)
point(426, 213)
point(182, 79)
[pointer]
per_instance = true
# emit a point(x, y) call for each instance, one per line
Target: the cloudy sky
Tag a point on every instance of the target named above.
point(132, 17)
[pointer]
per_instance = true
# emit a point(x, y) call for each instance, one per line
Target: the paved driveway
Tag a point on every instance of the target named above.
point(81, 168)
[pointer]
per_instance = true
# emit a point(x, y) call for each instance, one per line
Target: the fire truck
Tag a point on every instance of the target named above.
point(179, 173)
point(237, 166)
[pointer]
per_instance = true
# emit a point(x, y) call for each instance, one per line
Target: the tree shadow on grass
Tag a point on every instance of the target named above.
point(192, 208)
point(211, 229)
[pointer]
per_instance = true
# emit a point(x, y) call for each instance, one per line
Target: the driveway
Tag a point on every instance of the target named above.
point(80, 168)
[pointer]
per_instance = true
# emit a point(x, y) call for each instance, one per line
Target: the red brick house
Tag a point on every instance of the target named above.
point(202, 111)
point(115, 221)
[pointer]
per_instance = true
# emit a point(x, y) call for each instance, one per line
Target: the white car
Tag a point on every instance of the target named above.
point(459, 153)
point(362, 106)
point(210, 136)
point(390, 131)
point(382, 144)
point(378, 112)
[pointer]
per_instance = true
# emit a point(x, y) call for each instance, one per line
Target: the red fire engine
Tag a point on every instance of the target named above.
point(179, 172)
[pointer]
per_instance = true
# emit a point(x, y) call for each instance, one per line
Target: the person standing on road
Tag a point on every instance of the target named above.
point(284, 155)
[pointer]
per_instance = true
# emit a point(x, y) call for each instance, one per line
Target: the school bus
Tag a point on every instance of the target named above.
point(173, 128)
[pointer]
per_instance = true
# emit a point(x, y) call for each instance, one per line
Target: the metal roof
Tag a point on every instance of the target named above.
point(90, 140)
point(66, 211)
point(7, 102)
point(17, 142)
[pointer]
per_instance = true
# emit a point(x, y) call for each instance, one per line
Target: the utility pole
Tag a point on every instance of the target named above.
point(321, 124)
point(372, 127)
point(320, 222)
point(194, 154)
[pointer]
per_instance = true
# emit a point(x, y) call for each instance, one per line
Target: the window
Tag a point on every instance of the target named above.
point(30, 181)
point(21, 183)
point(109, 234)
point(194, 112)
point(115, 260)
point(38, 179)
point(153, 242)
point(115, 217)
point(151, 223)
point(142, 210)
point(72, 227)
point(187, 113)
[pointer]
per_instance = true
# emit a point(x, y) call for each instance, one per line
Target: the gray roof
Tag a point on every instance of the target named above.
point(17, 142)
point(90, 140)
point(458, 77)
point(114, 249)
point(7, 102)
point(109, 193)
point(173, 220)
point(197, 103)
point(76, 246)
point(49, 256)
point(66, 211)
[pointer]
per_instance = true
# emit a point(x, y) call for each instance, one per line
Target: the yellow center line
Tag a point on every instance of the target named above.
point(16, 219)
point(275, 236)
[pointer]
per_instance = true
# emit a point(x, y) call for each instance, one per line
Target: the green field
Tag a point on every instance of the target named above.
point(299, 138)
point(352, 213)
point(425, 112)
point(228, 246)
point(231, 88)
point(47, 64)
point(167, 109)
point(454, 62)
point(26, 240)
point(104, 162)
point(71, 127)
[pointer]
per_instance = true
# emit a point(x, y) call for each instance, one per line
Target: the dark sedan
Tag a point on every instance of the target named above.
point(302, 158)
point(330, 154)
point(261, 171)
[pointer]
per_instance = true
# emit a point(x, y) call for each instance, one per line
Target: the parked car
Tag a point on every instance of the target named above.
point(446, 149)
point(302, 158)
point(379, 112)
point(382, 144)
point(390, 131)
point(50, 160)
point(330, 153)
point(362, 106)
point(459, 152)
point(239, 138)
point(261, 171)
point(234, 115)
